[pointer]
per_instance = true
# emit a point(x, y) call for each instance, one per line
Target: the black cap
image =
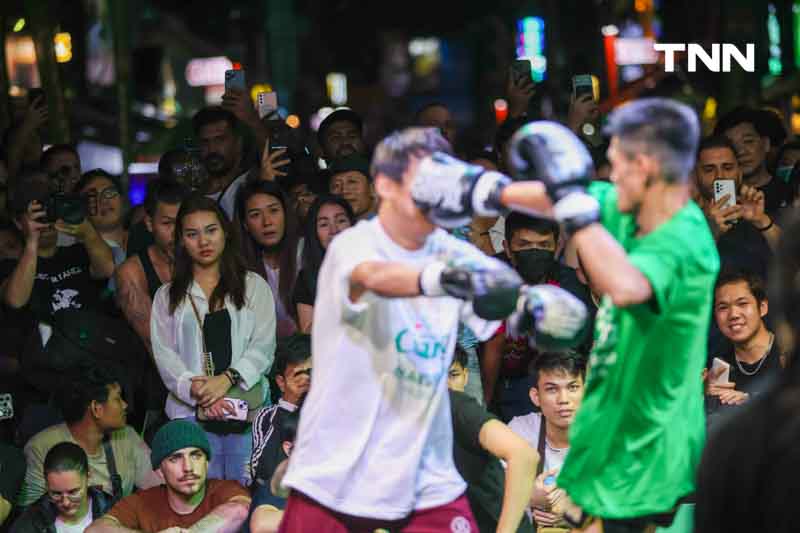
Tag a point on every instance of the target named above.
point(342, 114)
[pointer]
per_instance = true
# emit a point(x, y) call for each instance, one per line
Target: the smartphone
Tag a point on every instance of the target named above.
point(267, 104)
point(725, 187)
point(584, 84)
point(234, 79)
point(550, 480)
point(240, 409)
point(725, 377)
point(521, 69)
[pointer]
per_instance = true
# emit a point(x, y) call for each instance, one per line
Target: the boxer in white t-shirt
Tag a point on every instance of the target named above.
point(374, 447)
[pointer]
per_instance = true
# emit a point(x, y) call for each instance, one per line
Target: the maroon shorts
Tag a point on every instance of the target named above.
point(302, 514)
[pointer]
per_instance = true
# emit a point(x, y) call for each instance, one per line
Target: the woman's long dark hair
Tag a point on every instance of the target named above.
point(253, 252)
point(313, 252)
point(232, 268)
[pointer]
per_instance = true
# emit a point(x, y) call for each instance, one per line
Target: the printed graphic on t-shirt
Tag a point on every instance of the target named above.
point(604, 353)
point(65, 299)
point(422, 364)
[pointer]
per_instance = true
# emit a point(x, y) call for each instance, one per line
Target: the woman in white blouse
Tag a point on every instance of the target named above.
point(213, 335)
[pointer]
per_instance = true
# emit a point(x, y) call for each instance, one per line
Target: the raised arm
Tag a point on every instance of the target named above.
point(101, 259)
point(16, 289)
point(521, 460)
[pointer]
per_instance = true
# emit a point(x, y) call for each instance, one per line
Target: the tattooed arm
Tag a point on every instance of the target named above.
point(225, 518)
point(134, 299)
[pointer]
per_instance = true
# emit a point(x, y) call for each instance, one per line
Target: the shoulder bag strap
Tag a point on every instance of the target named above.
point(208, 363)
point(541, 447)
point(116, 480)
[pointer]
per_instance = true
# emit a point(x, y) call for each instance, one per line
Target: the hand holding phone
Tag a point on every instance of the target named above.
point(234, 79)
point(585, 84)
point(720, 372)
point(267, 104)
point(723, 189)
point(521, 71)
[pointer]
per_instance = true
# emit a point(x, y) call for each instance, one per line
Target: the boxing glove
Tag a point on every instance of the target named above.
point(449, 191)
point(493, 290)
point(549, 152)
point(552, 318)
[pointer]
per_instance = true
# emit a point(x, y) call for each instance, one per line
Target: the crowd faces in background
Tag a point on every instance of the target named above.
point(327, 217)
point(270, 243)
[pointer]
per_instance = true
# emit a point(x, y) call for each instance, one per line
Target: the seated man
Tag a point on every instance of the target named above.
point(187, 499)
point(480, 441)
point(268, 507)
point(740, 305)
point(95, 419)
point(70, 503)
point(293, 376)
point(557, 391)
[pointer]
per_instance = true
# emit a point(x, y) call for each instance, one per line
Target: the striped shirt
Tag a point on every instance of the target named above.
point(267, 449)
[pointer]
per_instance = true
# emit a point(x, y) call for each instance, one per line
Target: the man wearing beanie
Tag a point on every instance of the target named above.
point(180, 453)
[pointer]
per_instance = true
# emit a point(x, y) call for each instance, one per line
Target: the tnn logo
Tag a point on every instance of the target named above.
point(712, 62)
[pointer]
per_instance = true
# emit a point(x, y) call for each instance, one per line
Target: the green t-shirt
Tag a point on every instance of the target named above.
point(638, 436)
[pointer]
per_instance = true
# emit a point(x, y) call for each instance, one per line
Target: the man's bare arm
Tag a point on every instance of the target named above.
point(225, 518)
point(388, 279)
point(134, 299)
point(109, 524)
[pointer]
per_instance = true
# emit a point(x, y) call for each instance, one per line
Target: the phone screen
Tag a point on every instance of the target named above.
point(585, 84)
point(521, 69)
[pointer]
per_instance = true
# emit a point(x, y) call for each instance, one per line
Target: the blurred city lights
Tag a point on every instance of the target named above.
point(420, 46)
point(336, 83)
point(205, 71)
point(609, 30)
point(500, 110)
point(63, 46)
point(293, 121)
point(530, 44)
point(710, 109)
point(19, 25)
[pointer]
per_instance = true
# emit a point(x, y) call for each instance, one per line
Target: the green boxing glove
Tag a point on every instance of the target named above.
point(551, 317)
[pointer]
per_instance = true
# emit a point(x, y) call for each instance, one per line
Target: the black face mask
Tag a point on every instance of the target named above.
point(534, 264)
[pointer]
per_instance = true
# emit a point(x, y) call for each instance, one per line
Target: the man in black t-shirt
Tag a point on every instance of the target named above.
point(748, 130)
point(740, 304)
point(48, 281)
point(743, 231)
point(480, 441)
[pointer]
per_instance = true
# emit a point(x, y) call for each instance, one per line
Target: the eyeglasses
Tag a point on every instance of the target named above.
point(108, 194)
point(74, 495)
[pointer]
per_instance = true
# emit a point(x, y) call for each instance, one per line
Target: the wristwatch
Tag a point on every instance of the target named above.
point(234, 376)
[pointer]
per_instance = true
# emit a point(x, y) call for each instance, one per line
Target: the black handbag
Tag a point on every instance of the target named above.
point(81, 337)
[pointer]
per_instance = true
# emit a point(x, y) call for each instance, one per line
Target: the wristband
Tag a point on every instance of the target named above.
point(768, 226)
point(430, 279)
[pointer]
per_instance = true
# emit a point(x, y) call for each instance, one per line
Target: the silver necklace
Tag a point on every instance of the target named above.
point(760, 363)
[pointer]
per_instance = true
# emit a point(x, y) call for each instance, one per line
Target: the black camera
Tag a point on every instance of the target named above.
point(71, 208)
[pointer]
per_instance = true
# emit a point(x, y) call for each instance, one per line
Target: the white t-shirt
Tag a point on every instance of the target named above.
point(527, 427)
point(375, 437)
point(80, 527)
point(226, 198)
